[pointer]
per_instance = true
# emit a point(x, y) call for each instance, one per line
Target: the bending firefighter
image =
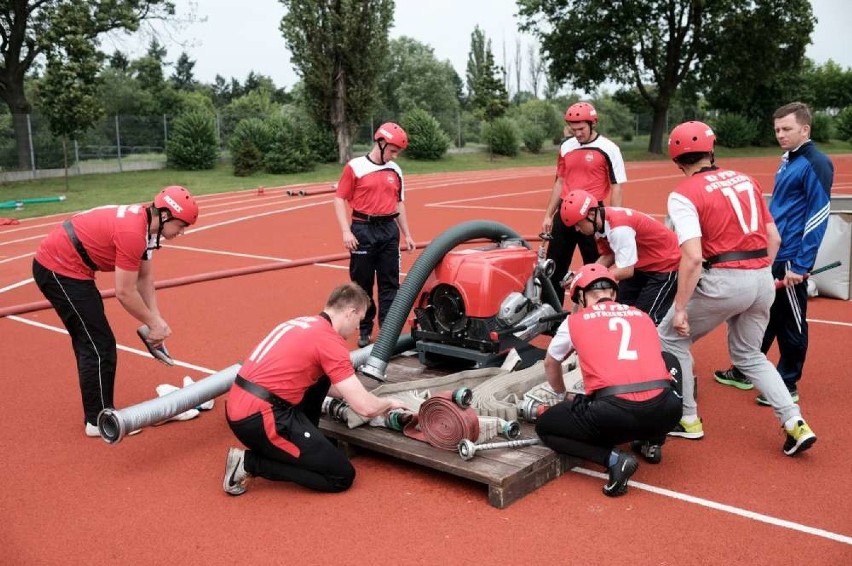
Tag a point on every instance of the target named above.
point(274, 406)
point(629, 391)
point(108, 238)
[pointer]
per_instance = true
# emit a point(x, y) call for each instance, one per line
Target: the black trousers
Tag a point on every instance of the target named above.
point(650, 292)
point(590, 428)
point(319, 465)
point(561, 251)
point(788, 324)
point(81, 308)
point(376, 260)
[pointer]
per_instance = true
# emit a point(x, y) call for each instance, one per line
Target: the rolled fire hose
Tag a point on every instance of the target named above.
point(444, 422)
point(115, 424)
point(418, 274)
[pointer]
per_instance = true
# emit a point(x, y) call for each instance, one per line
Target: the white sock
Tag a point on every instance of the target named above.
point(690, 419)
point(792, 422)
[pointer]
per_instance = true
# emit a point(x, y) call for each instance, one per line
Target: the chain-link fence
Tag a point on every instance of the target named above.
point(119, 143)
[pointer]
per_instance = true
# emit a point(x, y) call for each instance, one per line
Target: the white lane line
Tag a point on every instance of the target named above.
point(727, 508)
point(833, 322)
point(16, 285)
point(143, 353)
point(8, 259)
point(18, 241)
point(221, 252)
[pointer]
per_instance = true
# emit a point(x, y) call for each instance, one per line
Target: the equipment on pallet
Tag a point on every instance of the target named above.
point(480, 303)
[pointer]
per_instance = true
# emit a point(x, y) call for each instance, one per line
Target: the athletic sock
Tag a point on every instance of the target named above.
point(689, 419)
point(792, 422)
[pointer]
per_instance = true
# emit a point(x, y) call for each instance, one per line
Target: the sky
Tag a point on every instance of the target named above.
point(232, 42)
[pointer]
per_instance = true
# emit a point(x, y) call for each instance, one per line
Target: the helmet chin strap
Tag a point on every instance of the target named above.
point(382, 146)
point(159, 227)
point(600, 212)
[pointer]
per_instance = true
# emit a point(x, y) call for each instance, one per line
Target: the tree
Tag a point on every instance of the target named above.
point(656, 45)
point(414, 78)
point(32, 28)
point(487, 95)
point(830, 84)
point(69, 88)
point(338, 48)
point(183, 78)
point(535, 64)
point(759, 53)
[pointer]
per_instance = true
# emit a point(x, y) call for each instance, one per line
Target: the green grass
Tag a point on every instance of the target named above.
point(87, 191)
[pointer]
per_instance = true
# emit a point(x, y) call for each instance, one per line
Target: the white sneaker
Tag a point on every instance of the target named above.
point(236, 477)
point(166, 388)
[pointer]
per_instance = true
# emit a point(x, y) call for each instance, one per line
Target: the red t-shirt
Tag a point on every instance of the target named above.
point(371, 188)
point(288, 361)
point(113, 236)
point(616, 344)
point(726, 210)
point(592, 167)
point(633, 235)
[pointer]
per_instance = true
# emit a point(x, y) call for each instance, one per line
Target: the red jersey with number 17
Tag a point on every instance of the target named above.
point(288, 361)
point(730, 212)
point(617, 344)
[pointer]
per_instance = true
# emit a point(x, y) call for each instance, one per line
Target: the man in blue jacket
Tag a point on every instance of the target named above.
point(800, 206)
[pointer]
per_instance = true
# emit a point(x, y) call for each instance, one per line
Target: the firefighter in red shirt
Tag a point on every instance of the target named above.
point(640, 252)
point(629, 390)
point(372, 186)
point(728, 240)
point(274, 406)
point(588, 161)
point(108, 238)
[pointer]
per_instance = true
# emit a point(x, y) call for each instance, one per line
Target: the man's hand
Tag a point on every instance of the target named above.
point(681, 322)
point(158, 331)
point(547, 224)
point(410, 246)
point(350, 242)
point(791, 278)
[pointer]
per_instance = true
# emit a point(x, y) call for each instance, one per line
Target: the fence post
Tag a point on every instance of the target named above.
point(77, 156)
point(32, 150)
point(118, 143)
point(165, 133)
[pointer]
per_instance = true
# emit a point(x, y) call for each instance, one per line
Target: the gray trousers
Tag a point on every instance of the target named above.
point(742, 298)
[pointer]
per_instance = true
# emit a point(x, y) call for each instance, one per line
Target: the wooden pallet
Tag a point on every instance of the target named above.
point(509, 473)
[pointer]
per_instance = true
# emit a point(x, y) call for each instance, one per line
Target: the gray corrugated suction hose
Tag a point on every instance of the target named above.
point(115, 424)
point(416, 278)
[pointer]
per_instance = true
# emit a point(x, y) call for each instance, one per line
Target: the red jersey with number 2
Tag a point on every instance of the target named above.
point(731, 213)
point(617, 344)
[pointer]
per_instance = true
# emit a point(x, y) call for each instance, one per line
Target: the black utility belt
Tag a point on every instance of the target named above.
point(261, 392)
point(78, 245)
point(734, 256)
point(374, 218)
point(632, 388)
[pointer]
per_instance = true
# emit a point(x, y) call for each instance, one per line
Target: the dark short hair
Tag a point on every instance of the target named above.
point(347, 295)
point(693, 157)
point(800, 109)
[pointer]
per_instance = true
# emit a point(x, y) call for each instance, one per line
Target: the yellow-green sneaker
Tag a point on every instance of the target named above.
point(799, 438)
point(692, 431)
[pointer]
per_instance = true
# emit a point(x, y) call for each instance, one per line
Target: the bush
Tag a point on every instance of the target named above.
point(734, 130)
point(426, 139)
point(251, 139)
point(323, 144)
point(821, 127)
point(533, 138)
point(843, 124)
point(501, 137)
point(192, 143)
point(289, 151)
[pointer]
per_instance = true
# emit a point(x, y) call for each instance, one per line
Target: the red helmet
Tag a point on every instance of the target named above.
point(591, 276)
point(392, 133)
point(581, 112)
point(179, 204)
point(691, 137)
point(576, 206)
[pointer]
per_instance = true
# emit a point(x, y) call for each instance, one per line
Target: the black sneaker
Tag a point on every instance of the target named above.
point(763, 401)
point(619, 474)
point(363, 340)
point(652, 453)
point(733, 377)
